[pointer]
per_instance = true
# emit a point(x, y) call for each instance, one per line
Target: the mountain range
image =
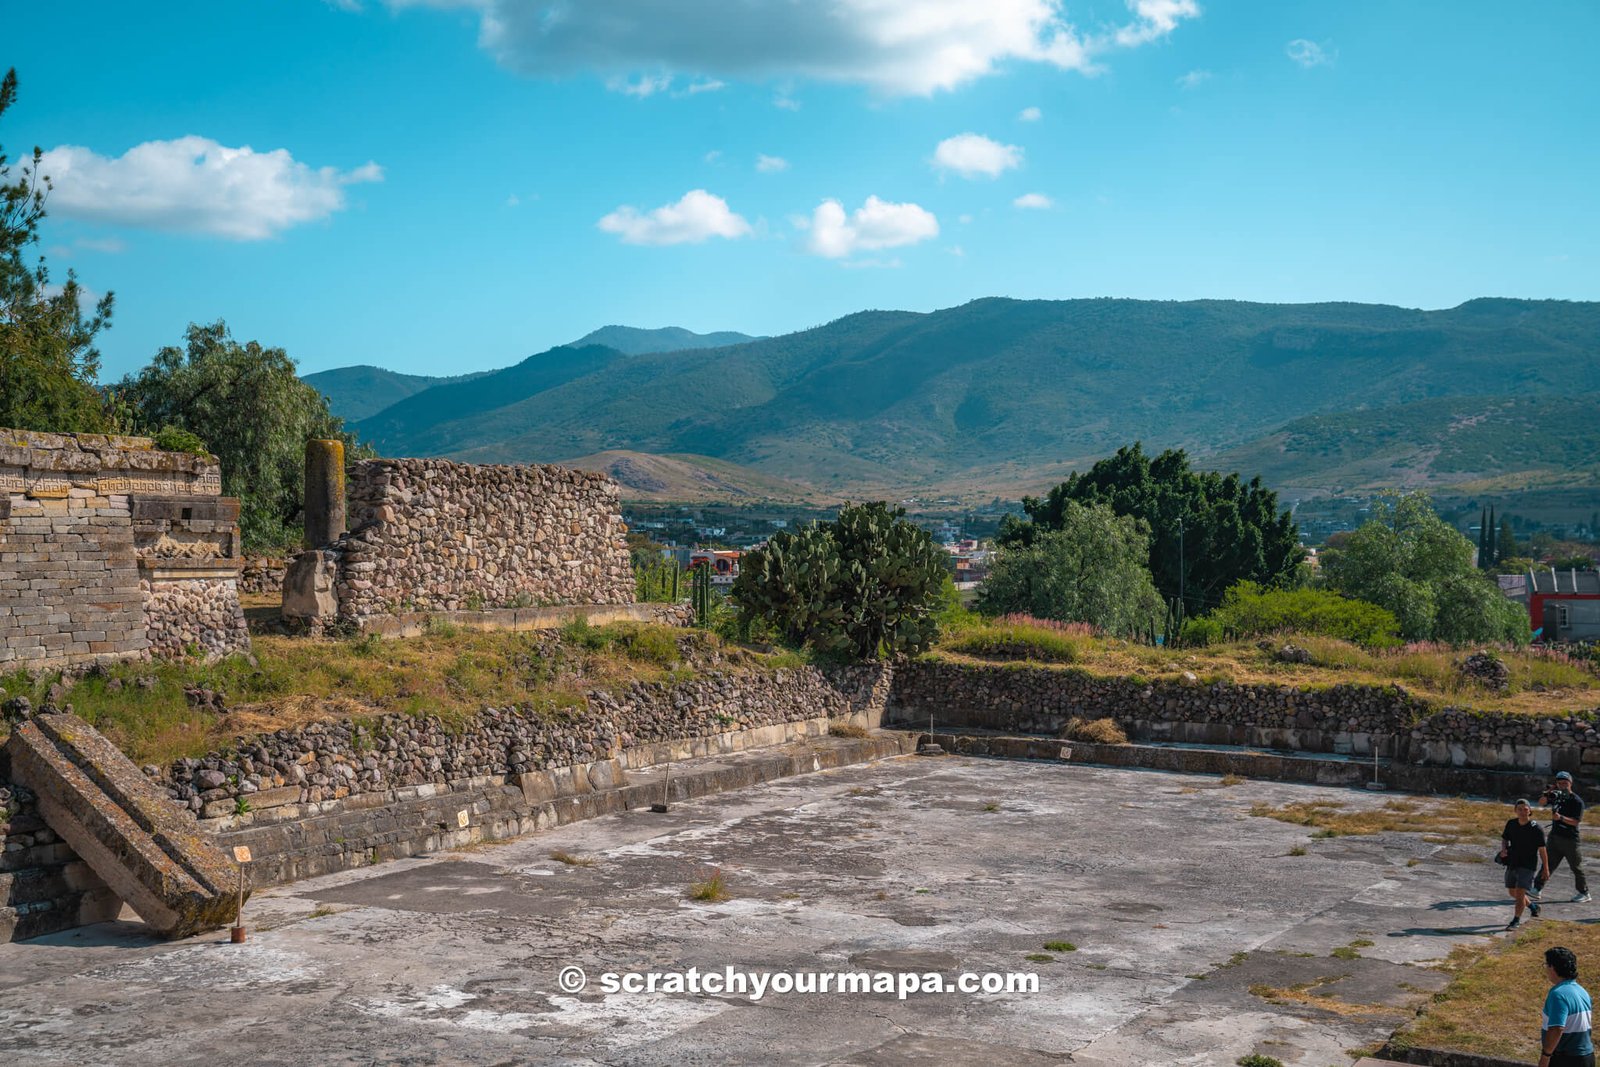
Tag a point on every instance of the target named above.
point(999, 396)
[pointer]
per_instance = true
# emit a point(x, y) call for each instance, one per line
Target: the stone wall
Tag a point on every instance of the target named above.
point(307, 769)
point(262, 575)
point(429, 535)
point(44, 886)
point(111, 549)
point(1347, 719)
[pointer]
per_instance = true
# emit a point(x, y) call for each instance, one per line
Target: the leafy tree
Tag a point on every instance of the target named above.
point(250, 408)
point(1416, 565)
point(865, 585)
point(1092, 569)
point(1207, 530)
point(48, 362)
point(1505, 545)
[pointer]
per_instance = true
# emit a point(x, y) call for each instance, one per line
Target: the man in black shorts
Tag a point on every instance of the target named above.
point(1522, 850)
point(1566, 812)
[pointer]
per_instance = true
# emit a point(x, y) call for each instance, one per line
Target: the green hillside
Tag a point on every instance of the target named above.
point(1512, 440)
point(885, 400)
point(355, 393)
point(632, 341)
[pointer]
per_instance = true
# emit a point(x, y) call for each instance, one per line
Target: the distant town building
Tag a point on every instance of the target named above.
point(1565, 603)
point(724, 565)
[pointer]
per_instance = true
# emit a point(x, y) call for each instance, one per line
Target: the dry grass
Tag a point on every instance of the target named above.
point(1491, 1005)
point(847, 729)
point(1455, 819)
point(295, 680)
point(1541, 682)
point(562, 856)
point(1094, 731)
point(1305, 994)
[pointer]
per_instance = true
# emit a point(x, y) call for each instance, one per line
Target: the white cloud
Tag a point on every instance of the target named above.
point(874, 225)
point(771, 164)
point(696, 217)
point(897, 47)
point(957, 251)
point(1030, 114)
point(642, 86)
point(1154, 19)
point(964, 219)
point(195, 185)
point(1308, 53)
point(786, 102)
point(971, 155)
point(513, 200)
point(708, 85)
point(1194, 79)
point(714, 155)
point(1033, 201)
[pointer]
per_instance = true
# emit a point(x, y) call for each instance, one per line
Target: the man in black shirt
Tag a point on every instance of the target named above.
point(1522, 850)
point(1566, 812)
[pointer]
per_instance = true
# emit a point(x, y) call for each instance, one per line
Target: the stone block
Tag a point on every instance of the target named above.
point(144, 848)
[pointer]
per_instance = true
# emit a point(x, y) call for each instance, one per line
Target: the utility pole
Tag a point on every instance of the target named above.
point(1180, 560)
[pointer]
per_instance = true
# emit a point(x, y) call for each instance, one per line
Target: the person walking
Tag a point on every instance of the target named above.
point(1564, 1039)
point(1522, 850)
point(1566, 812)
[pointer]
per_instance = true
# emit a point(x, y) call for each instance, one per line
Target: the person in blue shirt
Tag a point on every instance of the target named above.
point(1564, 1039)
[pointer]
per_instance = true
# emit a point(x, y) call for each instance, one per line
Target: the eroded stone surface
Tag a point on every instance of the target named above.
point(1157, 879)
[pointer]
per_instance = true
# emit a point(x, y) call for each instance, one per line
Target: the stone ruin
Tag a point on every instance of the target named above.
point(430, 535)
point(111, 549)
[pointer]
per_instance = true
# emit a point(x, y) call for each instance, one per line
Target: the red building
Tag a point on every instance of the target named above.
point(1564, 603)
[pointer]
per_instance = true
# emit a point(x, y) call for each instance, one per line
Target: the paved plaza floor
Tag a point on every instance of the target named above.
point(1199, 935)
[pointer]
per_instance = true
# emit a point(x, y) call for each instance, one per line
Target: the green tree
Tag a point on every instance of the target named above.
point(1093, 569)
point(48, 362)
point(865, 585)
point(1505, 545)
point(250, 408)
point(1207, 530)
point(1408, 560)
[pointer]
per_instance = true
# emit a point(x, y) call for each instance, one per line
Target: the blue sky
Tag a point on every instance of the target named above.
point(438, 187)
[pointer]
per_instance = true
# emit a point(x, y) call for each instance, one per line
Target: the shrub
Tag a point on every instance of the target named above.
point(1197, 633)
point(865, 585)
point(1247, 610)
point(176, 439)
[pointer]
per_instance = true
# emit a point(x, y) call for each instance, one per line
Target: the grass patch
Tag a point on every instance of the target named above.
point(1233, 779)
point(991, 807)
point(1455, 819)
point(714, 890)
point(1040, 957)
point(562, 856)
point(1305, 994)
point(847, 729)
point(1298, 850)
point(1256, 1059)
point(1060, 946)
point(1542, 682)
point(447, 672)
point(1018, 641)
point(1490, 1006)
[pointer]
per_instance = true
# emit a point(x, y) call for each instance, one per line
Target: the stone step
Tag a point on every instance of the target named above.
point(31, 885)
point(147, 850)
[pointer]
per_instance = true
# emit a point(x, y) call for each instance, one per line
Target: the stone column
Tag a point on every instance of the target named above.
point(324, 492)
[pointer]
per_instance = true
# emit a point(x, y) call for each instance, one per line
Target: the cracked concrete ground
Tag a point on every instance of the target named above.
point(1200, 936)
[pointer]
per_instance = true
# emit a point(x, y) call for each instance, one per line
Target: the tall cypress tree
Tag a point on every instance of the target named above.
point(1483, 542)
point(1493, 559)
